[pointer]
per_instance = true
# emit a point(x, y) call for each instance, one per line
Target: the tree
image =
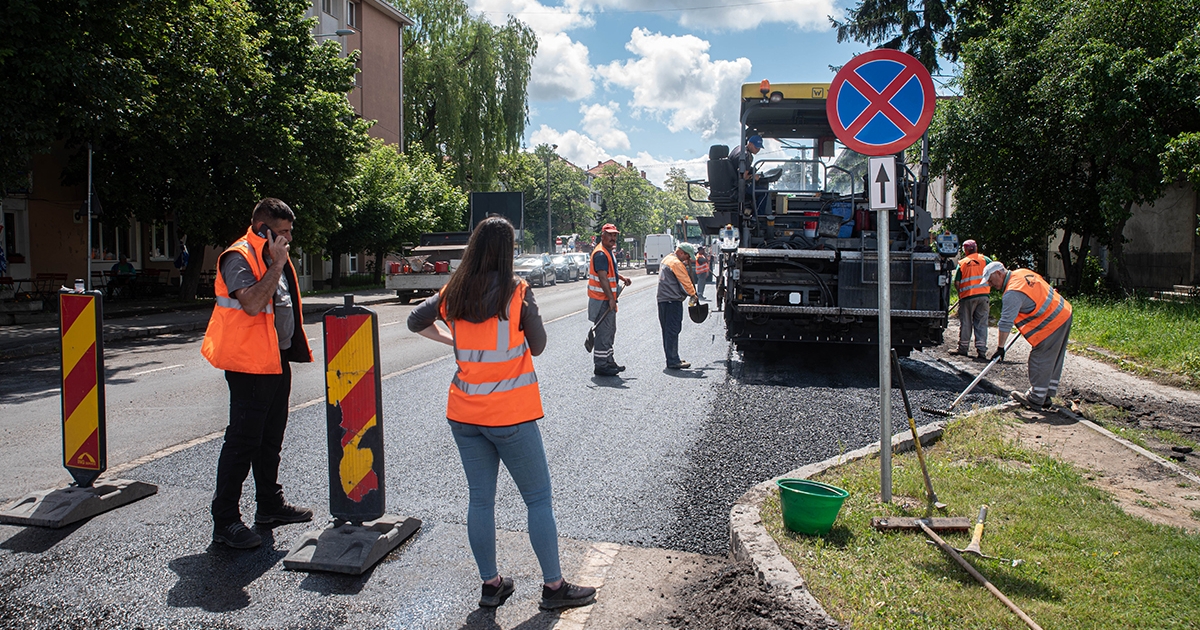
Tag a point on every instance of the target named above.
point(627, 200)
point(465, 86)
point(525, 171)
point(913, 26)
point(69, 69)
point(243, 105)
point(1067, 111)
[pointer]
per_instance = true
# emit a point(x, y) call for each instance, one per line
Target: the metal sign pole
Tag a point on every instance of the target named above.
point(883, 196)
point(885, 358)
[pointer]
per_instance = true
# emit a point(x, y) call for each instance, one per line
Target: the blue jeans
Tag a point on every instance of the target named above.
point(670, 318)
point(520, 448)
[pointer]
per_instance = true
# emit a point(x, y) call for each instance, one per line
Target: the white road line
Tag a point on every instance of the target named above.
point(595, 568)
point(389, 324)
point(144, 372)
point(159, 454)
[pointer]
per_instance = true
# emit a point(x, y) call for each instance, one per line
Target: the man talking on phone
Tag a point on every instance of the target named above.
point(256, 331)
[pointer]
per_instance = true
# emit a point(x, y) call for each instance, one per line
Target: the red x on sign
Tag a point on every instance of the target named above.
point(881, 102)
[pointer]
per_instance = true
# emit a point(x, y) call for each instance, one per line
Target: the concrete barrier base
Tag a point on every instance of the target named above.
point(56, 508)
point(348, 548)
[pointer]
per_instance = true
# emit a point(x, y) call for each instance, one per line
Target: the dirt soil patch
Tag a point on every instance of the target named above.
point(734, 598)
point(1141, 486)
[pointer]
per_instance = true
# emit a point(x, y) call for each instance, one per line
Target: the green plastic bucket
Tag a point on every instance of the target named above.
point(810, 507)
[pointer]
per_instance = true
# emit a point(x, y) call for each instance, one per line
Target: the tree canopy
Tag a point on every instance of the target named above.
point(525, 171)
point(465, 86)
point(1069, 113)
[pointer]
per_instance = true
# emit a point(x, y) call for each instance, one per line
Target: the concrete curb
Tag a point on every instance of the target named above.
point(750, 542)
point(51, 347)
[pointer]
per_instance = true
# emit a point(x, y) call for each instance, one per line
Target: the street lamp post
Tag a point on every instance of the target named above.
point(549, 231)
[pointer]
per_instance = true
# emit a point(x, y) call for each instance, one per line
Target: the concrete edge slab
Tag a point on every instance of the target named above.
point(63, 506)
point(1169, 465)
point(749, 540)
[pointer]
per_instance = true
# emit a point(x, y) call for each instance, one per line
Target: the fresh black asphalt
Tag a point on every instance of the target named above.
point(652, 459)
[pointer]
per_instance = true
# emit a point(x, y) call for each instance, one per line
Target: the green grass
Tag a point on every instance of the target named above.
point(1086, 563)
point(1161, 335)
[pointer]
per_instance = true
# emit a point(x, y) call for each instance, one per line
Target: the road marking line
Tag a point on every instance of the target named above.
point(599, 548)
point(596, 563)
point(144, 372)
point(389, 324)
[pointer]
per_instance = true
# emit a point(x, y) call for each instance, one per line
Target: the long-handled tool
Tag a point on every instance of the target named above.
point(590, 342)
point(912, 425)
point(973, 548)
point(978, 576)
point(950, 410)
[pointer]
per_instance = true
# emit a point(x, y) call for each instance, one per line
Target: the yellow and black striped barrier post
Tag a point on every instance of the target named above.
point(83, 423)
point(361, 533)
point(85, 447)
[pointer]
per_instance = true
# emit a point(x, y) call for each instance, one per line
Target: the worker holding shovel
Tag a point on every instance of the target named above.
point(1044, 318)
point(673, 289)
point(602, 301)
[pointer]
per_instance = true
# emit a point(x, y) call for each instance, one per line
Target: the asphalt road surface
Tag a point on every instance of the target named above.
point(654, 459)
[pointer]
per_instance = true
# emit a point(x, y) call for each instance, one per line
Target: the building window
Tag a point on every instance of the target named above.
point(353, 263)
point(11, 246)
point(327, 7)
point(162, 241)
point(110, 242)
point(352, 14)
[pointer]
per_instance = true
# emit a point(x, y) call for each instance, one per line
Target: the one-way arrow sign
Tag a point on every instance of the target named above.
point(881, 175)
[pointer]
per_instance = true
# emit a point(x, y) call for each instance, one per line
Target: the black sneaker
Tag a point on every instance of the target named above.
point(614, 366)
point(236, 535)
point(682, 365)
point(496, 595)
point(285, 513)
point(606, 371)
point(567, 596)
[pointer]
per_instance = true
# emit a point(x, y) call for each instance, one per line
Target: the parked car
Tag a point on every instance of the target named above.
point(581, 261)
point(565, 268)
point(536, 270)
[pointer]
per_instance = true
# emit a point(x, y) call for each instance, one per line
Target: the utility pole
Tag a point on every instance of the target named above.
point(549, 231)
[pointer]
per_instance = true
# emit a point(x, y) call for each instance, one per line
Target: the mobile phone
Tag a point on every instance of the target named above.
point(266, 233)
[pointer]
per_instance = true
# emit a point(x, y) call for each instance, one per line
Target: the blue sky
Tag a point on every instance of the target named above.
point(656, 82)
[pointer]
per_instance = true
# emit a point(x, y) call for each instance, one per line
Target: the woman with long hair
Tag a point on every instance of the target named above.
point(494, 404)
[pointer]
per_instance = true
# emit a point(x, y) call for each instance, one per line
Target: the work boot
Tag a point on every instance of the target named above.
point(496, 595)
point(567, 596)
point(1023, 398)
point(285, 513)
point(682, 365)
point(605, 370)
point(236, 535)
point(961, 352)
point(614, 366)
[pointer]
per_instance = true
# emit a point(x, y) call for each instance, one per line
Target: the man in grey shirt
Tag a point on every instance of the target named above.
point(255, 332)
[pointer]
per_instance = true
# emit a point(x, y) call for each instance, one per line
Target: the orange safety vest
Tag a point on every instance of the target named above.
point(970, 277)
point(595, 290)
point(1051, 312)
point(495, 385)
point(239, 342)
point(701, 265)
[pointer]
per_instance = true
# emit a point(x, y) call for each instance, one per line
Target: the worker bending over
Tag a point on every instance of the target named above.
point(1044, 317)
point(673, 288)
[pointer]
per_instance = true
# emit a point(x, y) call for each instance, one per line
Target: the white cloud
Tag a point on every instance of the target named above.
point(600, 122)
point(585, 153)
point(576, 147)
point(673, 78)
point(561, 69)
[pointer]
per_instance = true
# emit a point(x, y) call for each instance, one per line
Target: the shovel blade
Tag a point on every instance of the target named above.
point(590, 342)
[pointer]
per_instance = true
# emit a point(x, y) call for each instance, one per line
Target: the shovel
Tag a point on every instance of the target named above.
point(912, 425)
point(590, 342)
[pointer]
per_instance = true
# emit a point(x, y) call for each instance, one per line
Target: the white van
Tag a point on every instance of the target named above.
point(657, 247)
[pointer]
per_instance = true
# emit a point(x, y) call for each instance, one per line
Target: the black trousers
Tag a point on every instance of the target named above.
point(258, 413)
